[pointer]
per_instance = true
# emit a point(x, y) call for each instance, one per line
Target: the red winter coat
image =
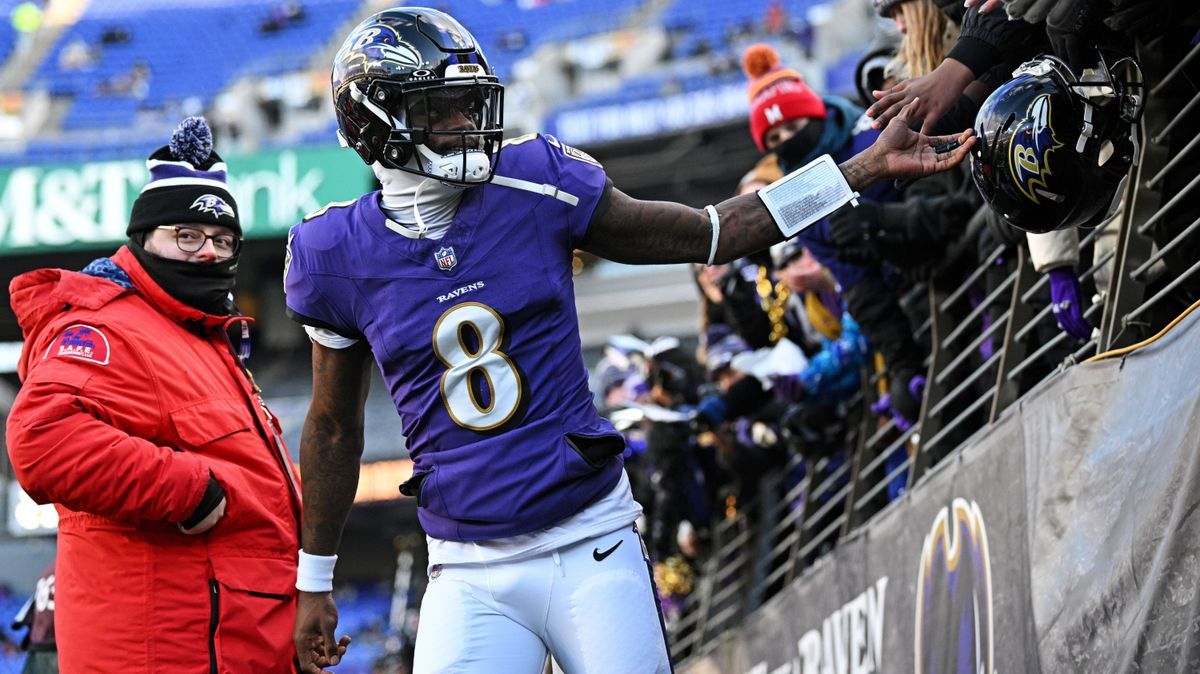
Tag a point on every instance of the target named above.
point(129, 399)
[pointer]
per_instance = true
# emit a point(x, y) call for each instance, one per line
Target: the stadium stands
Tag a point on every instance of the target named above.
point(8, 36)
point(507, 36)
point(715, 21)
point(149, 57)
point(129, 67)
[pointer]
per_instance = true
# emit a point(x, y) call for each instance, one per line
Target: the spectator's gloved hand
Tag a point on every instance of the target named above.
point(1072, 47)
point(1142, 19)
point(855, 233)
point(1064, 302)
point(1032, 11)
point(1071, 15)
point(1067, 28)
point(902, 401)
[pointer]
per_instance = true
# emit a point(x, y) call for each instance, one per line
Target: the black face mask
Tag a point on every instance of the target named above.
point(795, 151)
point(201, 286)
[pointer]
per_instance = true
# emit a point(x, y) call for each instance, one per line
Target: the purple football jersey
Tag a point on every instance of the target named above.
point(477, 337)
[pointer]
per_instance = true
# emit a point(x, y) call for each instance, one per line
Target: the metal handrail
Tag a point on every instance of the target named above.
point(969, 350)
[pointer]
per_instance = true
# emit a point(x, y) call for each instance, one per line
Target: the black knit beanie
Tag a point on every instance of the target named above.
point(187, 184)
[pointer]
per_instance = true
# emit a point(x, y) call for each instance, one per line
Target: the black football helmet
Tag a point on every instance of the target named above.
point(1054, 148)
point(397, 75)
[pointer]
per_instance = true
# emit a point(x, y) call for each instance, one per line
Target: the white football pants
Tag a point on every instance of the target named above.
point(596, 613)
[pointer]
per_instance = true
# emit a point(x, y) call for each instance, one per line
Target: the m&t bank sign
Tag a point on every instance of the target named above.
point(48, 208)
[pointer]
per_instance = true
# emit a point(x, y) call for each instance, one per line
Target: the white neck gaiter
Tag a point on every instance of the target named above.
point(417, 206)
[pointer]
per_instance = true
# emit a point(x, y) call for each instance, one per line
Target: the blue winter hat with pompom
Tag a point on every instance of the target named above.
point(187, 184)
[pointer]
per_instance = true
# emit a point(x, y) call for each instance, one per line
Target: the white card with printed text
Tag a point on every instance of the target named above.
point(807, 195)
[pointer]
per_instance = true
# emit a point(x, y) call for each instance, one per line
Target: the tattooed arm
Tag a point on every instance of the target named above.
point(331, 445)
point(656, 232)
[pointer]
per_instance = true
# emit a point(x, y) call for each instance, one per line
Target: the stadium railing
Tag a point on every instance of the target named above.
point(989, 350)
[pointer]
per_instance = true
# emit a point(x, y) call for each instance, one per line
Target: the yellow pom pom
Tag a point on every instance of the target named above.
point(758, 60)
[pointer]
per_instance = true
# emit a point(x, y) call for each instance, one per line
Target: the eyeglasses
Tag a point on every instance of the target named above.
point(191, 240)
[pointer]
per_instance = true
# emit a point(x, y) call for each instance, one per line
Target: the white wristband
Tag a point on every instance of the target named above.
point(715, 219)
point(314, 573)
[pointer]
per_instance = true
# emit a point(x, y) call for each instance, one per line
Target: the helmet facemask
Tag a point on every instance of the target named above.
point(413, 92)
point(446, 129)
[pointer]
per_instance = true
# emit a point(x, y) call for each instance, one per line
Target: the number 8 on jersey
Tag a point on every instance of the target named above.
point(465, 367)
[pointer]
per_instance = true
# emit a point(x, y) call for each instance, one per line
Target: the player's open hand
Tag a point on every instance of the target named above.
point(316, 619)
point(933, 95)
point(903, 153)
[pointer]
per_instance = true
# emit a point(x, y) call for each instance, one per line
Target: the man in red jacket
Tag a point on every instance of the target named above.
point(178, 504)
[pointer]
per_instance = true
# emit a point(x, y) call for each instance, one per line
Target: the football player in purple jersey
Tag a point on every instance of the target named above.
point(455, 279)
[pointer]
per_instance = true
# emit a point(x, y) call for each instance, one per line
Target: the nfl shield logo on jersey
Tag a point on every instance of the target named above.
point(445, 258)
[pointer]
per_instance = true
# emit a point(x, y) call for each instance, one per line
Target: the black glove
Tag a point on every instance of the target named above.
point(1141, 19)
point(1071, 15)
point(1071, 27)
point(1032, 11)
point(855, 232)
point(213, 494)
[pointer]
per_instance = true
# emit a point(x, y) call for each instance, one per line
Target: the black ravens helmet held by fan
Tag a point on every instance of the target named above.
point(1054, 148)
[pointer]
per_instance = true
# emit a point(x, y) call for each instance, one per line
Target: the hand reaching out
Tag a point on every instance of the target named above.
point(934, 94)
point(903, 153)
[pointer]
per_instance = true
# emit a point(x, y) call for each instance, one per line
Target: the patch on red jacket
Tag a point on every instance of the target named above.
point(80, 341)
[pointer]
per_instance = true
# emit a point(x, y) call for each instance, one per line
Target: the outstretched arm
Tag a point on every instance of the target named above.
point(331, 445)
point(659, 232)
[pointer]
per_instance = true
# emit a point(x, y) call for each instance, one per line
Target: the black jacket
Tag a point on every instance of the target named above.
point(990, 40)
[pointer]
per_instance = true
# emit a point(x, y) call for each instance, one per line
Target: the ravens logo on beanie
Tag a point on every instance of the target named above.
point(187, 184)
